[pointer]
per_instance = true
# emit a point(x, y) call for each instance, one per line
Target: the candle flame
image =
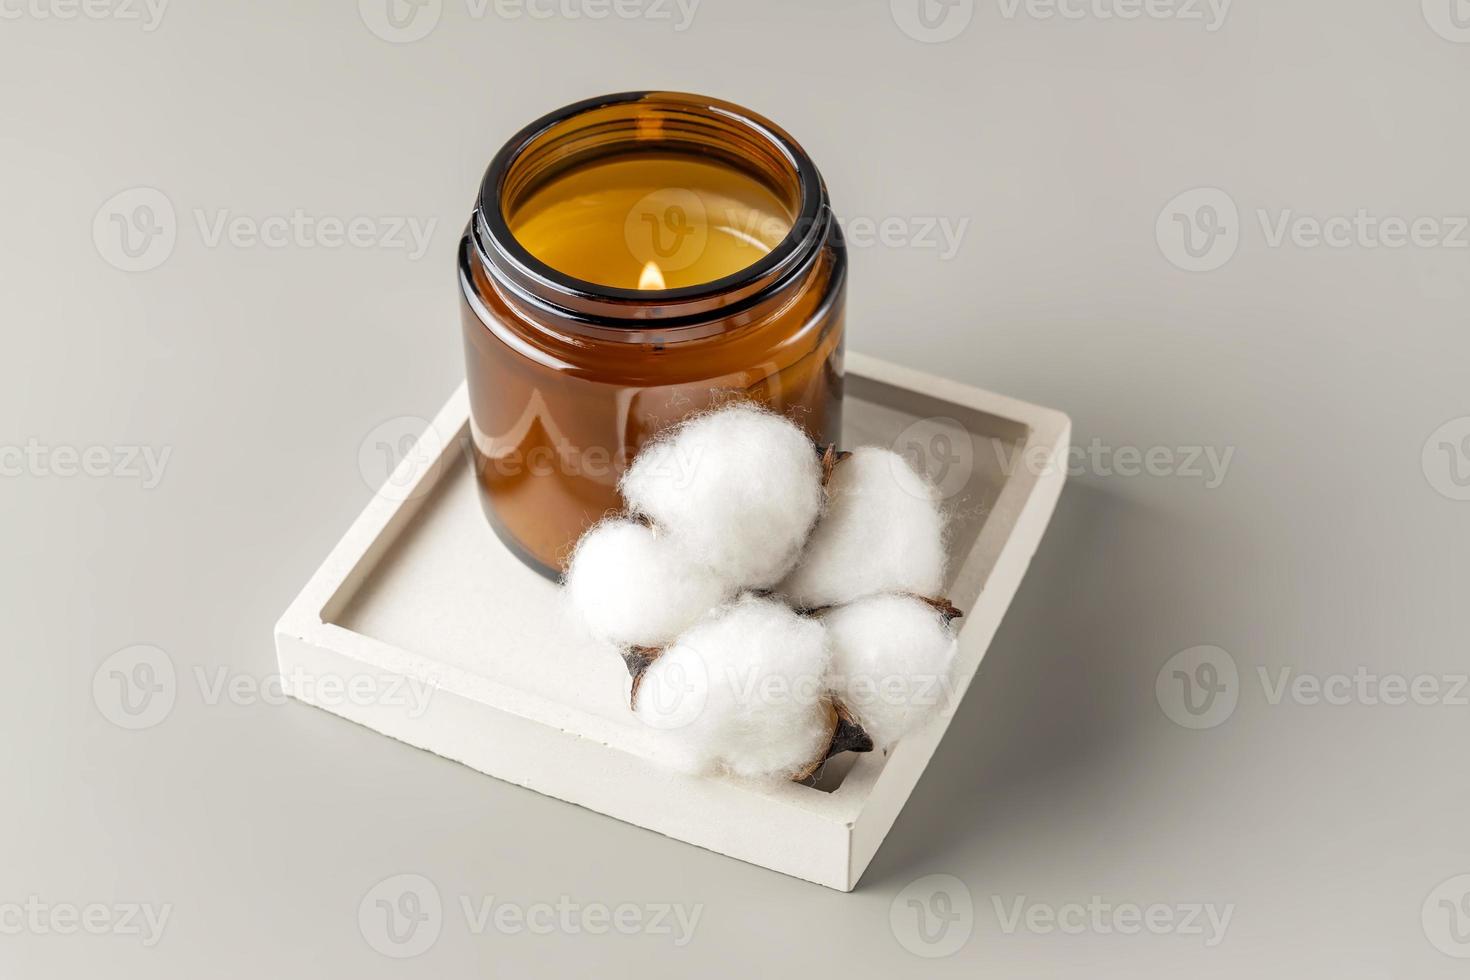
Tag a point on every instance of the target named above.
point(652, 277)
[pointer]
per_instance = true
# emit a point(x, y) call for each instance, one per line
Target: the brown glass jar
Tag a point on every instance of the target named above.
point(568, 378)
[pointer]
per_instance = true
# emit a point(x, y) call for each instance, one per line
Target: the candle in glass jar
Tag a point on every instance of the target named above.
point(651, 221)
point(631, 260)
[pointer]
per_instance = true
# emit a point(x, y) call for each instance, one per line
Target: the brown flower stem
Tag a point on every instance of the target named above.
point(830, 456)
point(947, 609)
point(638, 660)
point(847, 736)
point(941, 604)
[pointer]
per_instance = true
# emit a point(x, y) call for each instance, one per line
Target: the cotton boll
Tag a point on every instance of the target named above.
point(737, 489)
point(743, 691)
point(633, 588)
point(891, 660)
point(883, 532)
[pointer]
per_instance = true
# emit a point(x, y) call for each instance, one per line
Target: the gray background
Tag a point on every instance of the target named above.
point(1334, 543)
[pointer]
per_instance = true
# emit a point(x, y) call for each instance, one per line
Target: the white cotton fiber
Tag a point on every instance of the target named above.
point(891, 659)
point(737, 489)
point(632, 587)
point(743, 691)
point(883, 532)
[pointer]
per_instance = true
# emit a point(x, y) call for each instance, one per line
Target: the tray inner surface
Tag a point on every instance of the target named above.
point(448, 590)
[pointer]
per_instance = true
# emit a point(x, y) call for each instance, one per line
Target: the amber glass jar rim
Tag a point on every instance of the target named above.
point(494, 239)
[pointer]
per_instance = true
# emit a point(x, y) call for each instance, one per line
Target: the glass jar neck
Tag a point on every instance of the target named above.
point(647, 122)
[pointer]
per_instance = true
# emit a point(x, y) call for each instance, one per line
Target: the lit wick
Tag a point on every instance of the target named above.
point(652, 277)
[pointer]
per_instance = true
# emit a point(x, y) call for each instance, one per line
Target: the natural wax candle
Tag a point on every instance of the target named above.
point(632, 260)
point(651, 222)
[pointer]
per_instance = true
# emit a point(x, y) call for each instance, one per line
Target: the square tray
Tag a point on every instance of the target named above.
point(421, 625)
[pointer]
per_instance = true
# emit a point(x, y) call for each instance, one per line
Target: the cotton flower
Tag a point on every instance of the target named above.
point(853, 646)
point(737, 490)
point(743, 691)
point(891, 660)
point(883, 532)
point(633, 588)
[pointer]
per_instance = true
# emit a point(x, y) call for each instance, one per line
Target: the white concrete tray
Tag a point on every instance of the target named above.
point(422, 626)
